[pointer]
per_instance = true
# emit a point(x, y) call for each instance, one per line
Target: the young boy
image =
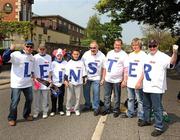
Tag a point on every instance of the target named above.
point(42, 68)
point(57, 77)
point(74, 74)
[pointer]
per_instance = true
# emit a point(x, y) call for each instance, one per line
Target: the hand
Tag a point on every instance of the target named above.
point(66, 83)
point(138, 85)
point(123, 84)
point(12, 47)
point(175, 48)
point(102, 82)
point(84, 80)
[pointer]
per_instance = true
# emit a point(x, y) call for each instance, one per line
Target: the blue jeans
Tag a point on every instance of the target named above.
point(153, 101)
point(132, 95)
point(108, 87)
point(15, 98)
point(96, 94)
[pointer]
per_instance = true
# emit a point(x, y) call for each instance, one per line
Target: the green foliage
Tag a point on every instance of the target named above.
point(164, 37)
point(104, 34)
point(94, 28)
point(110, 32)
point(161, 13)
point(19, 27)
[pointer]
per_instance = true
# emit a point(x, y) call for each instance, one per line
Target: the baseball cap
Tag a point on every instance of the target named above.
point(58, 52)
point(29, 43)
point(42, 45)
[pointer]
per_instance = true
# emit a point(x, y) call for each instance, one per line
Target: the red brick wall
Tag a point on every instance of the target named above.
point(11, 16)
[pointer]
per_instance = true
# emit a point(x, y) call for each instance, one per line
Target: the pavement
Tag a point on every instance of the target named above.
point(88, 127)
point(4, 79)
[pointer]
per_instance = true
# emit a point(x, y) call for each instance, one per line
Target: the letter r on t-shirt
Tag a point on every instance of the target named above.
point(147, 69)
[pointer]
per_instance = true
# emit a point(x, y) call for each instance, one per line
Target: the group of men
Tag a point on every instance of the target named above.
point(143, 74)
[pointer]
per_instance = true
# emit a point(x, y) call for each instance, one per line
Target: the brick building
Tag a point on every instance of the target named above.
point(60, 24)
point(16, 10)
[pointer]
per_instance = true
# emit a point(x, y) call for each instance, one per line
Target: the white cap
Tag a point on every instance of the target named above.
point(59, 52)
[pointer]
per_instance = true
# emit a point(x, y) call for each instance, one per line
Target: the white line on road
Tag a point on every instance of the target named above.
point(99, 128)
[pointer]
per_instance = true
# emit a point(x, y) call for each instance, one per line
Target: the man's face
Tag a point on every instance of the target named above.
point(135, 47)
point(75, 55)
point(28, 49)
point(42, 50)
point(94, 48)
point(153, 49)
point(117, 46)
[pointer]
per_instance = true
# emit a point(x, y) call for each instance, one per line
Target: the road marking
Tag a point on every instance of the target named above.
point(99, 128)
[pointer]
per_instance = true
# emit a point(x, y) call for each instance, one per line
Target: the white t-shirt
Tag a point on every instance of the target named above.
point(93, 64)
point(21, 69)
point(42, 67)
point(135, 64)
point(58, 71)
point(114, 65)
point(155, 72)
point(75, 70)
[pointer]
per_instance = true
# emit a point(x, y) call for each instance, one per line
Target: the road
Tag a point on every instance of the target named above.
point(86, 126)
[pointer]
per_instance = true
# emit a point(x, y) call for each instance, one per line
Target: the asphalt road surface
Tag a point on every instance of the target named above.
point(87, 126)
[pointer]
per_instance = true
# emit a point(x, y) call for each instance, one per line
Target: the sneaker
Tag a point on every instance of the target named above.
point(29, 118)
point(12, 123)
point(144, 123)
point(35, 116)
point(68, 113)
point(116, 114)
point(156, 133)
point(124, 115)
point(61, 113)
point(96, 112)
point(44, 116)
point(106, 112)
point(52, 114)
point(77, 112)
point(139, 121)
point(86, 109)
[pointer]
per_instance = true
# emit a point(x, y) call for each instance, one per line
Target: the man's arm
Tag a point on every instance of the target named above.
point(7, 53)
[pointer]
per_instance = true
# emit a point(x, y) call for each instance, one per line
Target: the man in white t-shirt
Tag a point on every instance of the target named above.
point(42, 68)
point(154, 85)
point(21, 72)
point(113, 74)
point(93, 61)
point(135, 65)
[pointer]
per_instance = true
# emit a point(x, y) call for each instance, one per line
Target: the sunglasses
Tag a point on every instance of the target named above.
point(42, 49)
point(28, 46)
point(152, 46)
point(92, 48)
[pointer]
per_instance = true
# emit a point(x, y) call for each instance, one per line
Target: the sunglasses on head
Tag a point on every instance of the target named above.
point(152, 46)
point(29, 46)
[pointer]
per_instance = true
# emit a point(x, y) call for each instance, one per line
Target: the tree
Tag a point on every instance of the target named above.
point(7, 29)
point(104, 34)
point(161, 13)
point(110, 32)
point(164, 37)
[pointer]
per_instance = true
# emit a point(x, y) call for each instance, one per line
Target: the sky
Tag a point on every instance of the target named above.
point(79, 11)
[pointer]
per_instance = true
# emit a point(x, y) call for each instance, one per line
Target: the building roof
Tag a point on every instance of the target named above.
point(57, 16)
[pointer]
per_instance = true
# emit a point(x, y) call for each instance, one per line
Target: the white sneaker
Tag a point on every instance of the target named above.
point(35, 116)
point(44, 116)
point(77, 112)
point(52, 114)
point(61, 113)
point(68, 113)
